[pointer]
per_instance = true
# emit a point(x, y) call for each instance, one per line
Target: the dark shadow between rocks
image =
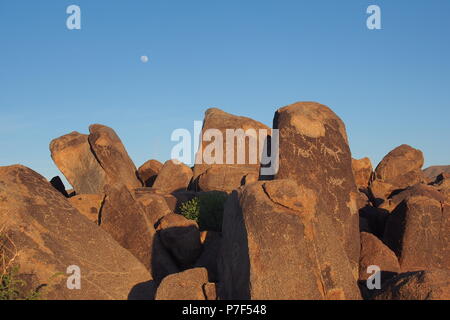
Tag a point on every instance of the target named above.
point(234, 261)
point(143, 291)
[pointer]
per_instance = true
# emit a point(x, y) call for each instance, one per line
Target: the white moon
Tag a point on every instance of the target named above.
point(144, 59)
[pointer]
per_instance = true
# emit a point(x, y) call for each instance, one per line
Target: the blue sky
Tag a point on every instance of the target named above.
point(390, 86)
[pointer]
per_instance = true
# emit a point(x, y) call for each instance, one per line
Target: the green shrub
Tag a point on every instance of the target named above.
point(191, 209)
point(206, 210)
point(12, 287)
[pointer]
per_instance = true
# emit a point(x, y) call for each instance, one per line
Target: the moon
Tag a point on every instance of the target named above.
point(144, 59)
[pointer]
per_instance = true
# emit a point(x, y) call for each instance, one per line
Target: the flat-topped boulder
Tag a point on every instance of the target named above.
point(240, 139)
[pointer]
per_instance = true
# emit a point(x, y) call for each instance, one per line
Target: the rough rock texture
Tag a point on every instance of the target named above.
point(276, 245)
point(227, 176)
point(148, 172)
point(314, 151)
point(72, 155)
point(418, 231)
point(186, 285)
point(174, 176)
point(418, 189)
point(210, 291)
point(181, 237)
point(362, 170)
point(113, 157)
point(375, 252)
point(89, 205)
point(432, 172)
point(398, 170)
point(442, 184)
point(48, 235)
point(155, 204)
point(419, 285)
point(127, 222)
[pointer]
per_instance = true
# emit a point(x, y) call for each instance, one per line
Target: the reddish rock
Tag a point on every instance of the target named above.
point(186, 285)
point(314, 151)
point(362, 170)
point(127, 222)
point(48, 235)
point(154, 204)
point(227, 178)
point(375, 253)
point(223, 175)
point(418, 231)
point(419, 285)
point(174, 176)
point(89, 205)
point(181, 238)
point(432, 172)
point(148, 172)
point(398, 170)
point(72, 155)
point(276, 245)
point(113, 157)
point(210, 291)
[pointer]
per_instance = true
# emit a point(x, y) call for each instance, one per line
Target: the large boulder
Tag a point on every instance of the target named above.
point(314, 151)
point(419, 285)
point(46, 235)
point(181, 237)
point(227, 178)
point(72, 155)
point(223, 175)
point(398, 170)
point(362, 170)
point(419, 189)
point(174, 176)
point(375, 253)
point(126, 220)
point(277, 245)
point(148, 172)
point(113, 157)
point(418, 231)
point(186, 285)
point(442, 184)
point(155, 204)
point(89, 205)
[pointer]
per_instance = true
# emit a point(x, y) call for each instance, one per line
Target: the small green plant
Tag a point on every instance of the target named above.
point(12, 287)
point(206, 210)
point(191, 209)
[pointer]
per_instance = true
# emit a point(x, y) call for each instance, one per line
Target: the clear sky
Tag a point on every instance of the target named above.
point(247, 57)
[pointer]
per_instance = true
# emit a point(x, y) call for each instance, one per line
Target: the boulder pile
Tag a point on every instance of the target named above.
point(324, 226)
